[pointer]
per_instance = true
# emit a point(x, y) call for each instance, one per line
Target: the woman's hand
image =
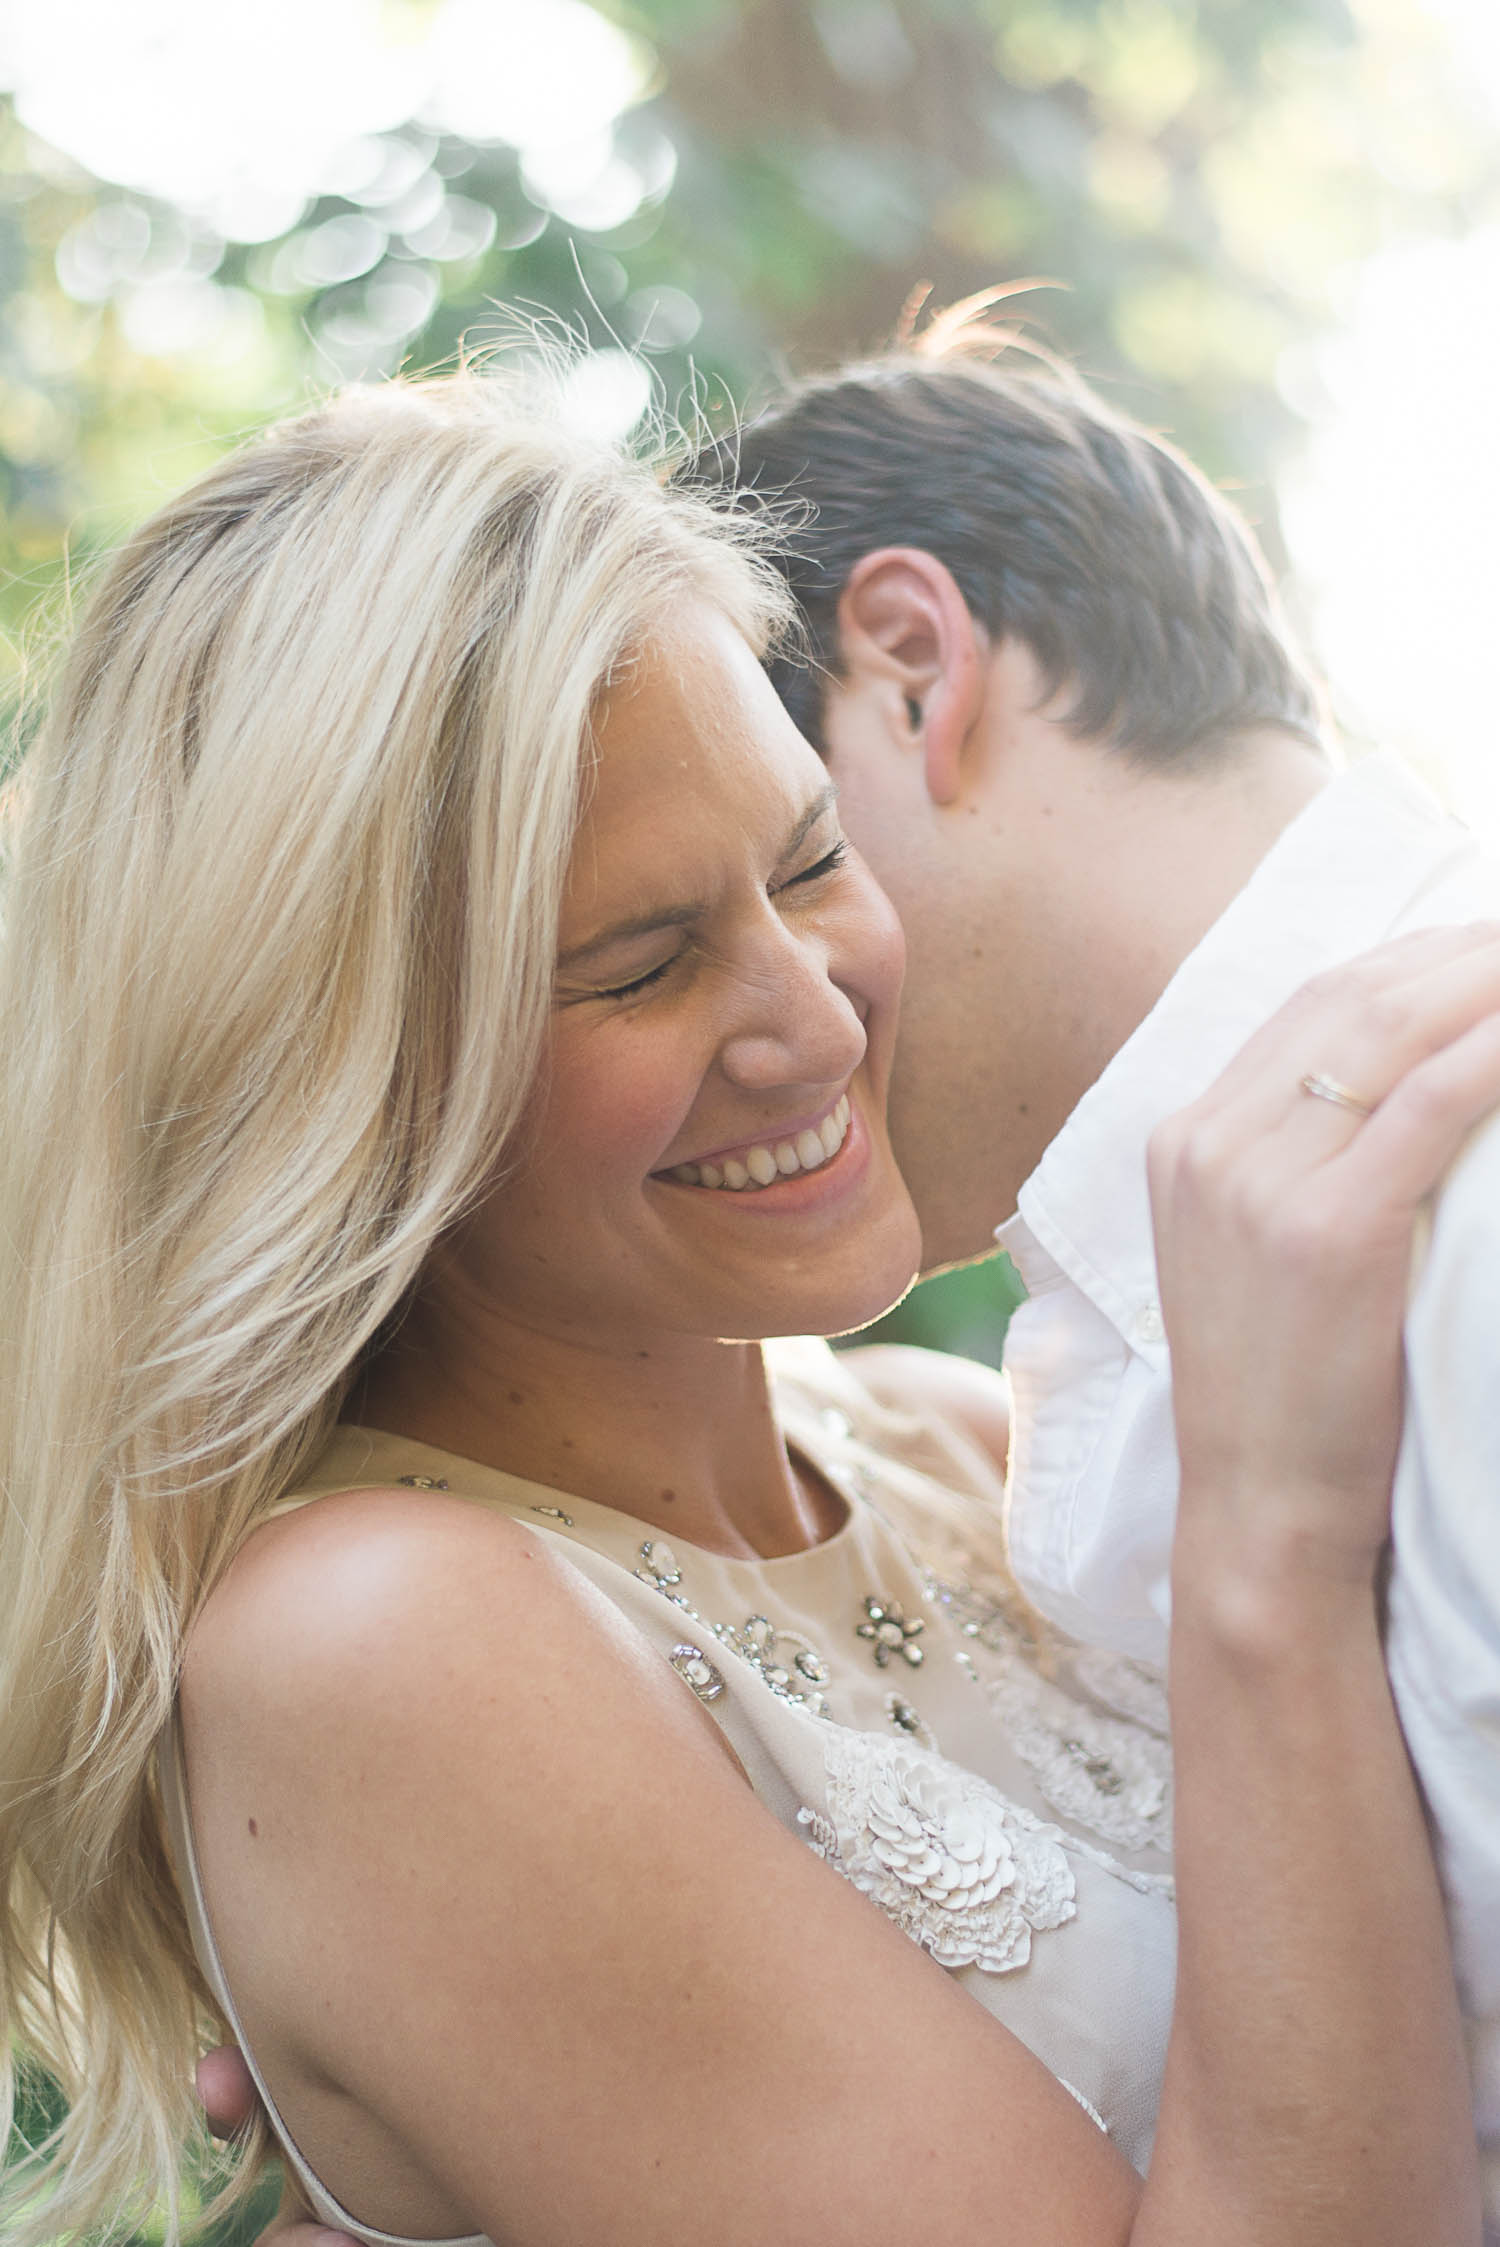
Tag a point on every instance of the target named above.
point(229, 2100)
point(1316, 2071)
point(1285, 1225)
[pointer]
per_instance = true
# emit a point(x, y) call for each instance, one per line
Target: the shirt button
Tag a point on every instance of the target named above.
point(1148, 1324)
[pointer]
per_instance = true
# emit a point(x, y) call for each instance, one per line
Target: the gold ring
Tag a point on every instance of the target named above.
point(1329, 1088)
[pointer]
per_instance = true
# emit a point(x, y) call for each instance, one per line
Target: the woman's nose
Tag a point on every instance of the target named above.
point(793, 1024)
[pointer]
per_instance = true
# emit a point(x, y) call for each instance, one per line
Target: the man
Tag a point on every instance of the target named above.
point(1072, 740)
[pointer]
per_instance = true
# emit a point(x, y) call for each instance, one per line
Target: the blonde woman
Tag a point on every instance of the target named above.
point(608, 1799)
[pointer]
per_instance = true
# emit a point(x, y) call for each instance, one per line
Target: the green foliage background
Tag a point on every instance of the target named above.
point(1195, 174)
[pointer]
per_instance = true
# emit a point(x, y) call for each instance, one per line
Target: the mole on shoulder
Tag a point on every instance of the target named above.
point(254, 1829)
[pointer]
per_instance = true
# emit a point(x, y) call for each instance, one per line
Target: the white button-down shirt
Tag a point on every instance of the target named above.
point(1094, 1464)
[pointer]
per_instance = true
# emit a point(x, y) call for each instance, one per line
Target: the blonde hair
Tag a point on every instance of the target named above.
point(280, 943)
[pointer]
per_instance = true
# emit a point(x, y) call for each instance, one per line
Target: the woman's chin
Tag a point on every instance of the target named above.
point(868, 1317)
point(877, 1293)
point(833, 1302)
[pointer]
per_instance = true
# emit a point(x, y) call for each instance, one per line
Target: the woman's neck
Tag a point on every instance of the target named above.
point(672, 1428)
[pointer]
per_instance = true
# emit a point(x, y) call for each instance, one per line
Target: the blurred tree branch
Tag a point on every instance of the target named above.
point(1193, 173)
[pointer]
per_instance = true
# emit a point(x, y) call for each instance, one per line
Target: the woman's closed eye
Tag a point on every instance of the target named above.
point(829, 863)
point(638, 982)
point(820, 870)
point(634, 986)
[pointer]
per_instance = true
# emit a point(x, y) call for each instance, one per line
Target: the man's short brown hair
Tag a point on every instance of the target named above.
point(1136, 586)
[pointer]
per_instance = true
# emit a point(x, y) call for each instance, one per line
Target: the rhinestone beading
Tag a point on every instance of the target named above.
point(908, 1720)
point(660, 1562)
point(695, 1669)
point(756, 1640)
point(889, 1632)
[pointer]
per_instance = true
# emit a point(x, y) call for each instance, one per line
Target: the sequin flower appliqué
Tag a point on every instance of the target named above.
point(960, 1870)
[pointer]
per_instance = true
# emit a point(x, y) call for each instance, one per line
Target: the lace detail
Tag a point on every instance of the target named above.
point(1105, 1773)
point(959, 1869)
point(1144, 1883)
point(1131, 1689)
point(1098, 1771)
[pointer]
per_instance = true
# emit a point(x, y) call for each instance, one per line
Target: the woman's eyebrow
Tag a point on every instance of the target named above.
point(680, 916)
point(823, 801)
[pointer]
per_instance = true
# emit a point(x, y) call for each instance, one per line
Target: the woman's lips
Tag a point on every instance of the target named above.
point(750, 1169)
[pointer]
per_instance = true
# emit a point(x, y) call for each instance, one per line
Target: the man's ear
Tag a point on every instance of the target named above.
point(904, 625)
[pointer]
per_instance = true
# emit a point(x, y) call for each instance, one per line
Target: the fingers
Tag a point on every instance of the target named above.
point(1371, 1025)
point(1414, 1029)
point(228, 2094)
point(226, 2090)
point(1404, 1021)
point(1284, 1227)
point(1403, 1150)
point(1365, 1024)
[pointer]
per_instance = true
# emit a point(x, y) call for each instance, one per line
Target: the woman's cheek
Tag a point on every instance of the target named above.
point(620, 1110)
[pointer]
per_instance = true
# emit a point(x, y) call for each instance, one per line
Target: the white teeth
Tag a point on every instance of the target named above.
point(765, 1165)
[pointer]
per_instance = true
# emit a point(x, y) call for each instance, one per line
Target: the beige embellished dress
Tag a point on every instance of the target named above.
point(1001, 1792)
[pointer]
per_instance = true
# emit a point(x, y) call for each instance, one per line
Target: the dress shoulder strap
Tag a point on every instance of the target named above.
point(172, 1778)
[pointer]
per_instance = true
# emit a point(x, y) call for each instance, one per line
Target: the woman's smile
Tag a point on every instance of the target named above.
point(753, 1166)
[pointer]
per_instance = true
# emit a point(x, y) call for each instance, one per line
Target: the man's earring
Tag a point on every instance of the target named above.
point(914, 713)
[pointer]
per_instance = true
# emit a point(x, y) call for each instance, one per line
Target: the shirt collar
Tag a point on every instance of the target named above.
point(1357, 857)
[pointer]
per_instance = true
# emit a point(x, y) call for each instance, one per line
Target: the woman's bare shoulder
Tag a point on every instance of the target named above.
point(366, 1605)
